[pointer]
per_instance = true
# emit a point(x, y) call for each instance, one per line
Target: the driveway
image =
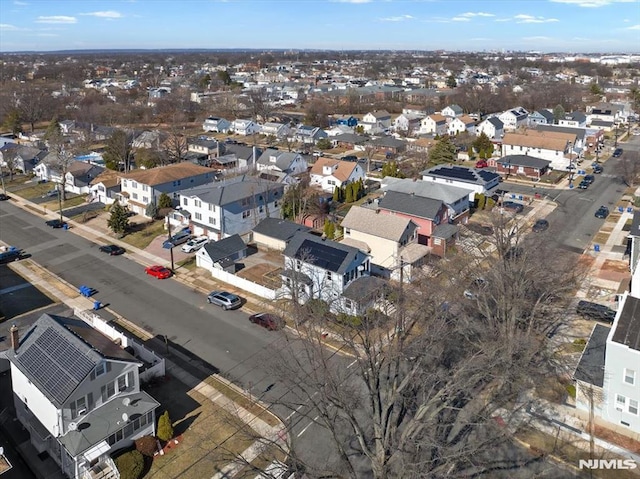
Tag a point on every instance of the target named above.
point(155, 248)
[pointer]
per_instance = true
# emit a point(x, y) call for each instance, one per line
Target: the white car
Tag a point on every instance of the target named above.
point(194, 244)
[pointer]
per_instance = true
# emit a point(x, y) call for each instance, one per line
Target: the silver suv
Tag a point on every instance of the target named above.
point(224, 299)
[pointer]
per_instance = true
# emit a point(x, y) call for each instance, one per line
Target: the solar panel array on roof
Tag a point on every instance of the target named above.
point(457, 172)
point(321, 255)
point(56, 363)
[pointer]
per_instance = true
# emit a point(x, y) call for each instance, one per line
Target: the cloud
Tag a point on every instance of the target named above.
point(56, 19)
point(20, 4)
point(466, 17)
point(633, 27)
point(7, 27)
point(591, 3)
point(109, 14)
point(522, 18)
point(399, 18)
point(47, 35)
point(351, 1)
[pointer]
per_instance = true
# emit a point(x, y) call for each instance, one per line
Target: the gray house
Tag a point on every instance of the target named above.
point(222, 254)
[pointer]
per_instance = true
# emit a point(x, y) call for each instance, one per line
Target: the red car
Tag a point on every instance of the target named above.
point(266, 320)
point(158, 271)
point(481, 164)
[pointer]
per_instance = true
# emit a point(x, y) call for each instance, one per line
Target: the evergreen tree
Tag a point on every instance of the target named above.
point(152, 210)
point(118, 221)
point(13, 121)
point(443, 152)
point(391, 169)
point(336, 194)
point(483, 146)
point(165, 428)
point(53, 131)
point(164, 201)
point(348, 193)
point(329, 229)
point(451, 81)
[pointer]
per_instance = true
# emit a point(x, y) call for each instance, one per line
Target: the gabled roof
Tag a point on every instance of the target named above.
point(108, 178)
point(576, 116)
point(165, 174)
point(449, 194)
point(342, 170)
point(409, 204)
point(438, 118)
point(456, 109)
point(203, 143)
point(546, 114)
point(380, 114)
point(496, 122)
point(371, 222)
point(326, 254)
point(284, 159)
point(350, 138)
point(578, 132)
point(223, 249)
point(388, 141)
point(466, 120)
point(279, 229)
point(525, 160)
point(461, 173)
point(590, 368)
point(231, 190)
point(548, 140)
point(58, 353)
point(627, 326)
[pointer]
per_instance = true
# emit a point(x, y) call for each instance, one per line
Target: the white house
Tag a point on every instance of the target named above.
point(472, 179)
point(462, 124)
point(329, 173)
point(514, 118)
point(105, 187)
point(575, 119)
point(492, 127)
point(408, 123)
point(80, 175)
point(77, 393)
point(219, 125)
point(244, 127)
point(308, 135)
point(378, 121)
point(554, 146)
point(435, 124)
point(49, 168)
point(283, 161)
point(452, 111)
point(277, 130)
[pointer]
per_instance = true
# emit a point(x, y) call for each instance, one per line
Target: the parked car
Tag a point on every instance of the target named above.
point(350, 158)
point(157, 271)
point(10, 254)
point(177, 239)
point(194, 244)
point(3, 197)
point(267, 320)
point(584, 185)
point(51, 194)
point(57, 223)
point(596, 311)
point(598, 169)
point(602, 212)
point(617, 153)
point(112, 249)
point(540, 225)
point(481, 164)
point(224, 299)
point(514, 206)
point(589, 178)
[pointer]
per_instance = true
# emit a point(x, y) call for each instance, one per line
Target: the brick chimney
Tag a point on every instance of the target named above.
point(15, 337)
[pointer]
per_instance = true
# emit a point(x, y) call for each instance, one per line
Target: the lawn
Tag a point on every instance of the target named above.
point(142, 234)
point(32, 191)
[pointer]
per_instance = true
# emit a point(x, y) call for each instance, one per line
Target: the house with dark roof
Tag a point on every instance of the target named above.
point(77, 392)
point(222, 254)
point(308, 135)
point(20, 157)
point(520, 166)
point(224, 208)
point(275, 233)
point(473, 179)
point(493, 127)
point(338, 274)
point(452, 111)
point(282, 161)
point(350, 141)
point(541, 117)
point(80, 175)
point(214, 123)
point(575, 119)
point(514, 118)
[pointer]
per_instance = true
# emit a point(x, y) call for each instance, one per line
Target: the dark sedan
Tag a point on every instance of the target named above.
point(617, 153)
point(3, 197)
point(540, 225)
point(602, 212)
point(513, 206)
point(112, 250)
point(57, 223)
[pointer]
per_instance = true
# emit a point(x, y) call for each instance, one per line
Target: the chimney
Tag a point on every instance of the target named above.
point(15, 337)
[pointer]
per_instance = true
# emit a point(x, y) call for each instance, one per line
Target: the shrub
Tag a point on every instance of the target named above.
point(165, 428)
point(146, 445)
point(349, 320)
point(580, 342)
point(130, 464)
point(571, 389)
point(317, 308)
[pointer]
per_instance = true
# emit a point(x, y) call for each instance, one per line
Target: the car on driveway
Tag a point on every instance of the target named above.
point(51, 194)
point(602, 212)
point(194, 244)
point(481, 164)
point(267, 320)
point(57, 223)
point(596, 311)
point(112, 249)
point(157, 271)
point(224, 299)
point(617, 153)
point(513, 206)
point(540, 225)
point(177, 239)
point(598, 169)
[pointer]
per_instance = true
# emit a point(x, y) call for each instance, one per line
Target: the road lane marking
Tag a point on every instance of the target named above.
point(296, 410)
point(308, 426)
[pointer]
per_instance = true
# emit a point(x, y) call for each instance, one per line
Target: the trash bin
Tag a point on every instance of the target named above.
point(596, 248)
point(96, 305)
point(65, 227)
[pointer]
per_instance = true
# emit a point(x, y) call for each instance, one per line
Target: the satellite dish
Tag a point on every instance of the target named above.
point(125, 417)
point(73, 426)
point(126, 401)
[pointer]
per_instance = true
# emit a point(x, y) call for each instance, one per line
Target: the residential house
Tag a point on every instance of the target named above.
point(77, 393)
point(433, 124)
point(462, 124)
point(385, 238)
point(142, 187)
point(431, 216)
point(456, 198)
point(149, 139)
point(207, 147)
point(492, 127)
point(105, 187)
point(520, 165)
point(554, 146)
point(244, 127)
point(336, 130)
point(452, 111)
point(236, 157)
point(378, 121)
point(350, 141)
point(541, 117)
point(605, 112)
point(329, 173)
point(275, 233)
point(419, 110)
point(407, 123)
point(282, 161)
point(420, 145)
point(79, 176)
point(233, 206)
point(22, 158)
point(277, 130)
point(319, 268)
point(308, 135)
point(514, 118)
point(472, 179)
point(49, 168)
point(349, 121)
point(218, 125)
point(388, 144)
point(222, 254)
point(575, 119)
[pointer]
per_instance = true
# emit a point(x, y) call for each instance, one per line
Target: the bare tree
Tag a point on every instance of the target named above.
point(262, 108)
point(61, 156)
point(629, 167)
point(176, 145)
point(10, 159)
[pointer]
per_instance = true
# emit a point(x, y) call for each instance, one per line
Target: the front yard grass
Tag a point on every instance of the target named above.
point(142, 234)
point(33, 191)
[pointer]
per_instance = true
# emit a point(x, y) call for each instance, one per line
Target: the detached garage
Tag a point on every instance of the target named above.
point(274, 233)
point(222, 255)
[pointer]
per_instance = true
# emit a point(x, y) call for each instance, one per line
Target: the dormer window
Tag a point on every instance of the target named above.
point(101, 369)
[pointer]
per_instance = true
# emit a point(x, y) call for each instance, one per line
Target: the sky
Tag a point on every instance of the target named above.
point(575, 26)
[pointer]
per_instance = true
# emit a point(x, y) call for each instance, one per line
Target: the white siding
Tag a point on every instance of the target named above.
point(37, 402)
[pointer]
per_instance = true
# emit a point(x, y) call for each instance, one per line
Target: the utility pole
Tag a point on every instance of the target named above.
point(169, 239)
point(615, 144)
point(60, 188)
point(4, 189)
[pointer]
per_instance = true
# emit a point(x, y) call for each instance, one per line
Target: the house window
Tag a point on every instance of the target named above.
point(145, 199)
point(198, 216)
point(629, 376)
point(348, 304)
point(78, 407)
point(275, 203)
point(185, 202)
point(134, 184)
point(212, 208)
point(212, 220)
point(261, 209)
point(246, 214)
point(329, 277)
point(197, 203)
point(101, 369)
point(633, 406)
point(134, 195)
point(108, 391)
point(122, 383)
point(298, 264)
point(347, 231)
point(145, 188)
point(620, 402)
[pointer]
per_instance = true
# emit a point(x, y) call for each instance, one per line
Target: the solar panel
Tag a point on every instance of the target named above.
point(56, 364)
point(321, 255)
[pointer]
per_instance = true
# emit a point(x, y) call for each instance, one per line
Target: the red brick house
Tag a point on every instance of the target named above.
point(520, 165)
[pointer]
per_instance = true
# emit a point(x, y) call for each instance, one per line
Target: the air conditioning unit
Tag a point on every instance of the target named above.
point(82, 412)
